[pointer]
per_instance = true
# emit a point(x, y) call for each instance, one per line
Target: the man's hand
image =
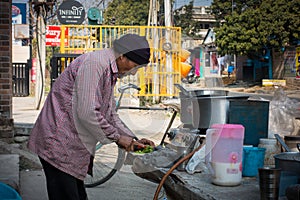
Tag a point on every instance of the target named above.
point(129, 144)
point(146, 142)
point(142, 144)
point(126, 142)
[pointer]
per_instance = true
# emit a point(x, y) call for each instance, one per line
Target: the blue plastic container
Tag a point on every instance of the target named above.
point(253, 158)
point(8, 193)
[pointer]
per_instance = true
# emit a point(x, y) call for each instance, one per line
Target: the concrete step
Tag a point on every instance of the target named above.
point(13, 157)
point(22, 128)
point(9, 170)
point(33, 185)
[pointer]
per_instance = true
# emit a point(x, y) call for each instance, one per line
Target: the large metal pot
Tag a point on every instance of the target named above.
point(186, 99)
point(212, 110)
point(202, 108)
point(288, 161)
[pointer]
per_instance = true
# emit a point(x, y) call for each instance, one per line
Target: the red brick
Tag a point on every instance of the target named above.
point(5, 21)
point(6, 133)
point(6, 121)
point(4, 69)
point(5, 76)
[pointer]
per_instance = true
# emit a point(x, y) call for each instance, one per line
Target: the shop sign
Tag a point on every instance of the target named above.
point(70, 12)
point(53, 36)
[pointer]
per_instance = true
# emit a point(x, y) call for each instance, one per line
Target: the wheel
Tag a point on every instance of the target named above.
point(108, 160)
point(191, 79)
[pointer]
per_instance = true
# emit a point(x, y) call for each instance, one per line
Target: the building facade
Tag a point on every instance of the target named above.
point(6, 121)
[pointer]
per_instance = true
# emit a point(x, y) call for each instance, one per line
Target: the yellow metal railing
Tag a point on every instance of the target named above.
point(164, 70)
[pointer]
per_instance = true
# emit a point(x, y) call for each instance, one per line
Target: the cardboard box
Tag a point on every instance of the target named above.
point(273, 82)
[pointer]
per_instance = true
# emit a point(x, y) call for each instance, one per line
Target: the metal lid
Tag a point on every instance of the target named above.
point(267, 141)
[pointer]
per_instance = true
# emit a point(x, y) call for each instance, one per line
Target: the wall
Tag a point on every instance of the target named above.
point(6, 121)
point(282, 66)
point(240, 62)
point(278, 66)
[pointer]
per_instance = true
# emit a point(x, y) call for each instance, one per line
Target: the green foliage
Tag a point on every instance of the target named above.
point(254, 24)
point(184, 18)
point(127, 12)
point(49, 54)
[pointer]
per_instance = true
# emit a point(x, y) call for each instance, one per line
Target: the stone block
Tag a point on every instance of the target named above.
point(9, 170)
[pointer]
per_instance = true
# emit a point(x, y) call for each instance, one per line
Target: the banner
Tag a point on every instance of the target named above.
point(53, 35)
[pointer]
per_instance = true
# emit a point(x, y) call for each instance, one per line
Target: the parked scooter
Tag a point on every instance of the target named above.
point(191, 76)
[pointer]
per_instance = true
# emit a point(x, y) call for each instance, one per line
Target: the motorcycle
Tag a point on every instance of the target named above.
point(191, 76)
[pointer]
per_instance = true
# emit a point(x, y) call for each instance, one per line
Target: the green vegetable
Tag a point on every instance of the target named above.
point(147, 149)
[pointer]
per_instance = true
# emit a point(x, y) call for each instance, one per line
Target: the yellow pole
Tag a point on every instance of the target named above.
point(143, 32)
point(62, 45)
point(62, 39)
point(142, 71)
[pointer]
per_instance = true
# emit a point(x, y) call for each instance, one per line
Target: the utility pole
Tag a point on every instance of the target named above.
point(168, 24)
point(152, 21)
point(234, 55)
point(41, 53)
point(150, 14)
point(168, 13)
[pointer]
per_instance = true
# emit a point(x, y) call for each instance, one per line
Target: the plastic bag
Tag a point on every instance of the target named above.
point(282, 114)
point(197, 162)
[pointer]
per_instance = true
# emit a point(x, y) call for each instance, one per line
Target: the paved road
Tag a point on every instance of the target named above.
point(124, 185)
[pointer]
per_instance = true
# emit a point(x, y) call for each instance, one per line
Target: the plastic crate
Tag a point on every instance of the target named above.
point(254, 116)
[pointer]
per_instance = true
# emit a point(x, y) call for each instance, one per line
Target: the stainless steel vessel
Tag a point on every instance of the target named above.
point(202, 108)
point(212, 110)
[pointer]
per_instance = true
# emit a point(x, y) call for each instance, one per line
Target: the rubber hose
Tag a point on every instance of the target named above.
point(172, 169)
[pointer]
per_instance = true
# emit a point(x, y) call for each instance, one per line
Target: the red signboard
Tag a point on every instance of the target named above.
point(53, 35)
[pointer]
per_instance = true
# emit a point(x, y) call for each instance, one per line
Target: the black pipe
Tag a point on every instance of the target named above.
point(168, 128)
point(141, 108)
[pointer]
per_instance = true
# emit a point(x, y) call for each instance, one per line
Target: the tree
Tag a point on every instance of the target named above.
point(129, 12)
point(246, 26)
point(183, 18)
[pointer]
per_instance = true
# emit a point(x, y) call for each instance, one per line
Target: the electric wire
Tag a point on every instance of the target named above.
point(41, 13)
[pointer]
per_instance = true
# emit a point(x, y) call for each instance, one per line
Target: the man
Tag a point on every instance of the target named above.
point(80, 111)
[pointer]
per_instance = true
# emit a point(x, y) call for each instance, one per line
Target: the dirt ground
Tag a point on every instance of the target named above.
point(292, 86)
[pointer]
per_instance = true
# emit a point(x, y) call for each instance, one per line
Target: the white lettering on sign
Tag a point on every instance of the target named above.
point(75, 11)
point(54, 33)
point(53, 36)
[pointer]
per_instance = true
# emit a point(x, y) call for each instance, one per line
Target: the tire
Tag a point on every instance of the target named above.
point(191, 79)
point(108, 160)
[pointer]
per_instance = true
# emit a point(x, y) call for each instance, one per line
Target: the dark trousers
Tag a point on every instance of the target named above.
point(62, 186)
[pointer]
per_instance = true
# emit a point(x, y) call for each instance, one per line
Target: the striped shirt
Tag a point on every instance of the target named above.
point(79, 111)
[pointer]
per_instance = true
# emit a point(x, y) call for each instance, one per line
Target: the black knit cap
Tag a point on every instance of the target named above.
point(134, 47)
